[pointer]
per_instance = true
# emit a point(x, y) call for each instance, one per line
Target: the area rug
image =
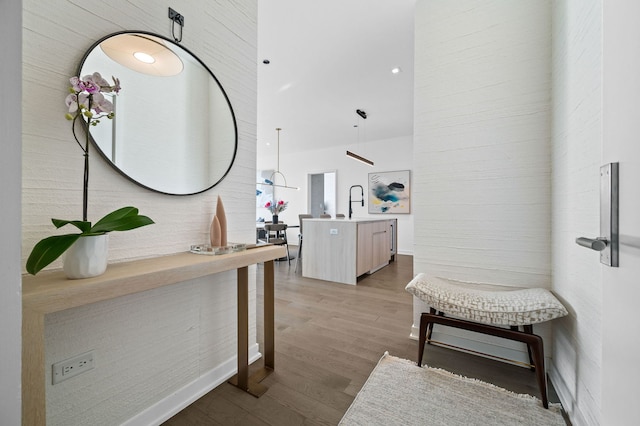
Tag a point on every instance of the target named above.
point(398, 392)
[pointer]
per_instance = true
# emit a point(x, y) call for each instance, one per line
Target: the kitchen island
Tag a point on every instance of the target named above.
point(341, 250)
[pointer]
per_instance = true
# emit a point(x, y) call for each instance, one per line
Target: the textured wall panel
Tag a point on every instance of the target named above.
point(482, 173)
point(222, 34)
point(482, 129)
point(149, 345)
point(577, 138)
point(144, 345)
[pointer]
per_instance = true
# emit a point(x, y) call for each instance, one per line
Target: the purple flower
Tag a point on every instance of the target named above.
point(72, 102)
point(101, 104)
point(87, 97)
point(76, 84)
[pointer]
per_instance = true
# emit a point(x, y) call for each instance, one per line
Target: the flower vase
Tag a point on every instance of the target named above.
point(274, 219)
point(87, 257)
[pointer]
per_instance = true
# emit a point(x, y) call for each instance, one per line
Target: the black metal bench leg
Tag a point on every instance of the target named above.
point(529, 329)
point(538, 360)
point(533, 342)
point(422, 338)
point(430, 326)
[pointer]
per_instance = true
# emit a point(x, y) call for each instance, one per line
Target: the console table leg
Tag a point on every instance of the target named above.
point(269, 315)
point(243, 328)
point(34, 406)
point(242, 380)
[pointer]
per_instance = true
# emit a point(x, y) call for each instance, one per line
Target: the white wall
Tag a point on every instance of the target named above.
point(576, 157)
point(482, 134)
point(10, 292)
point(388, 155)
point(56, 34)
point(482, 143)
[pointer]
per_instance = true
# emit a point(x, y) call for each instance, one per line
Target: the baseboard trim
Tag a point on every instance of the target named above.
point(573, 411)
point(168, 407)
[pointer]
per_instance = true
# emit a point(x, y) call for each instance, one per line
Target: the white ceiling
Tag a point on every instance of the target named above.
point(329, 58)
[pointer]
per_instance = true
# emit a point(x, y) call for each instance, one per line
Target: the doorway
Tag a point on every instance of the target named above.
point(321, 197)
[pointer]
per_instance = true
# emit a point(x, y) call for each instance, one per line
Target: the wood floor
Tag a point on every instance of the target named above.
point(329, 338)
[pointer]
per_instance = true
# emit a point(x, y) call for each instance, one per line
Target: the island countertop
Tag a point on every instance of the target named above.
point(346, 220)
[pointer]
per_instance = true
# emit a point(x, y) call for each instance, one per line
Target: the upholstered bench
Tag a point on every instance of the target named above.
point(488, 309)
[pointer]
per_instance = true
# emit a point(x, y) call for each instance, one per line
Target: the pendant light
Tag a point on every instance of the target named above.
point(271, 180)
point(359, 158)
point(355, 156)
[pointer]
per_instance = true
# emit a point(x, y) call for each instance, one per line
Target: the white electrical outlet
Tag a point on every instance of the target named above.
point(63, 370)
point(333, 231)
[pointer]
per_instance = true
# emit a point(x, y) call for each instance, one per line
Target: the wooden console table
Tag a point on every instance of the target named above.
point(52, 292)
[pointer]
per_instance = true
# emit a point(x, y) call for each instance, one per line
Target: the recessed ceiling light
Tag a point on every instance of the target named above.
point(396, 70)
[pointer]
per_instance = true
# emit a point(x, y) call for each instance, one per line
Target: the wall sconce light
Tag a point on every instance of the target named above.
point(143, 53)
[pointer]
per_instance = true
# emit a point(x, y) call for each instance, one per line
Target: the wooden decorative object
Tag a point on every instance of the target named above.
point(216, 232)
point(222, 218)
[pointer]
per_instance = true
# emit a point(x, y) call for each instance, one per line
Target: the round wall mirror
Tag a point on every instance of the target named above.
point(174, 130)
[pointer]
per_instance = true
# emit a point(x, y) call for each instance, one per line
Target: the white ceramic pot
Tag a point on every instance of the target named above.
point(87, 257)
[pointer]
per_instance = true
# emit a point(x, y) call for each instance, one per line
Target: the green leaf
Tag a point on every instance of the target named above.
point(119, 214)
point(80, 224)
point(123, 224)
point(48, 250)
point(123, 219)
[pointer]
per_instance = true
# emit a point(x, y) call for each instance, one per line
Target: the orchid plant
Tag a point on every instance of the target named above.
point(276, 207)
point(86, 102)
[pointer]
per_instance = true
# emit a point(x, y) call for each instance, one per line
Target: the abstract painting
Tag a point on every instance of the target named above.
point(390, 192)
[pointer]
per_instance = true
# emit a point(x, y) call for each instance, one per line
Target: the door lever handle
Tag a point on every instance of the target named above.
point(597, 244)
point(608, 241)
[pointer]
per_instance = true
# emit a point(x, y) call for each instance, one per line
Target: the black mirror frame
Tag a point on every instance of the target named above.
point(233, 116)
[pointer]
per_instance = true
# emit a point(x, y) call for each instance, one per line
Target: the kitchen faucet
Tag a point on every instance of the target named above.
point(350, 202)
